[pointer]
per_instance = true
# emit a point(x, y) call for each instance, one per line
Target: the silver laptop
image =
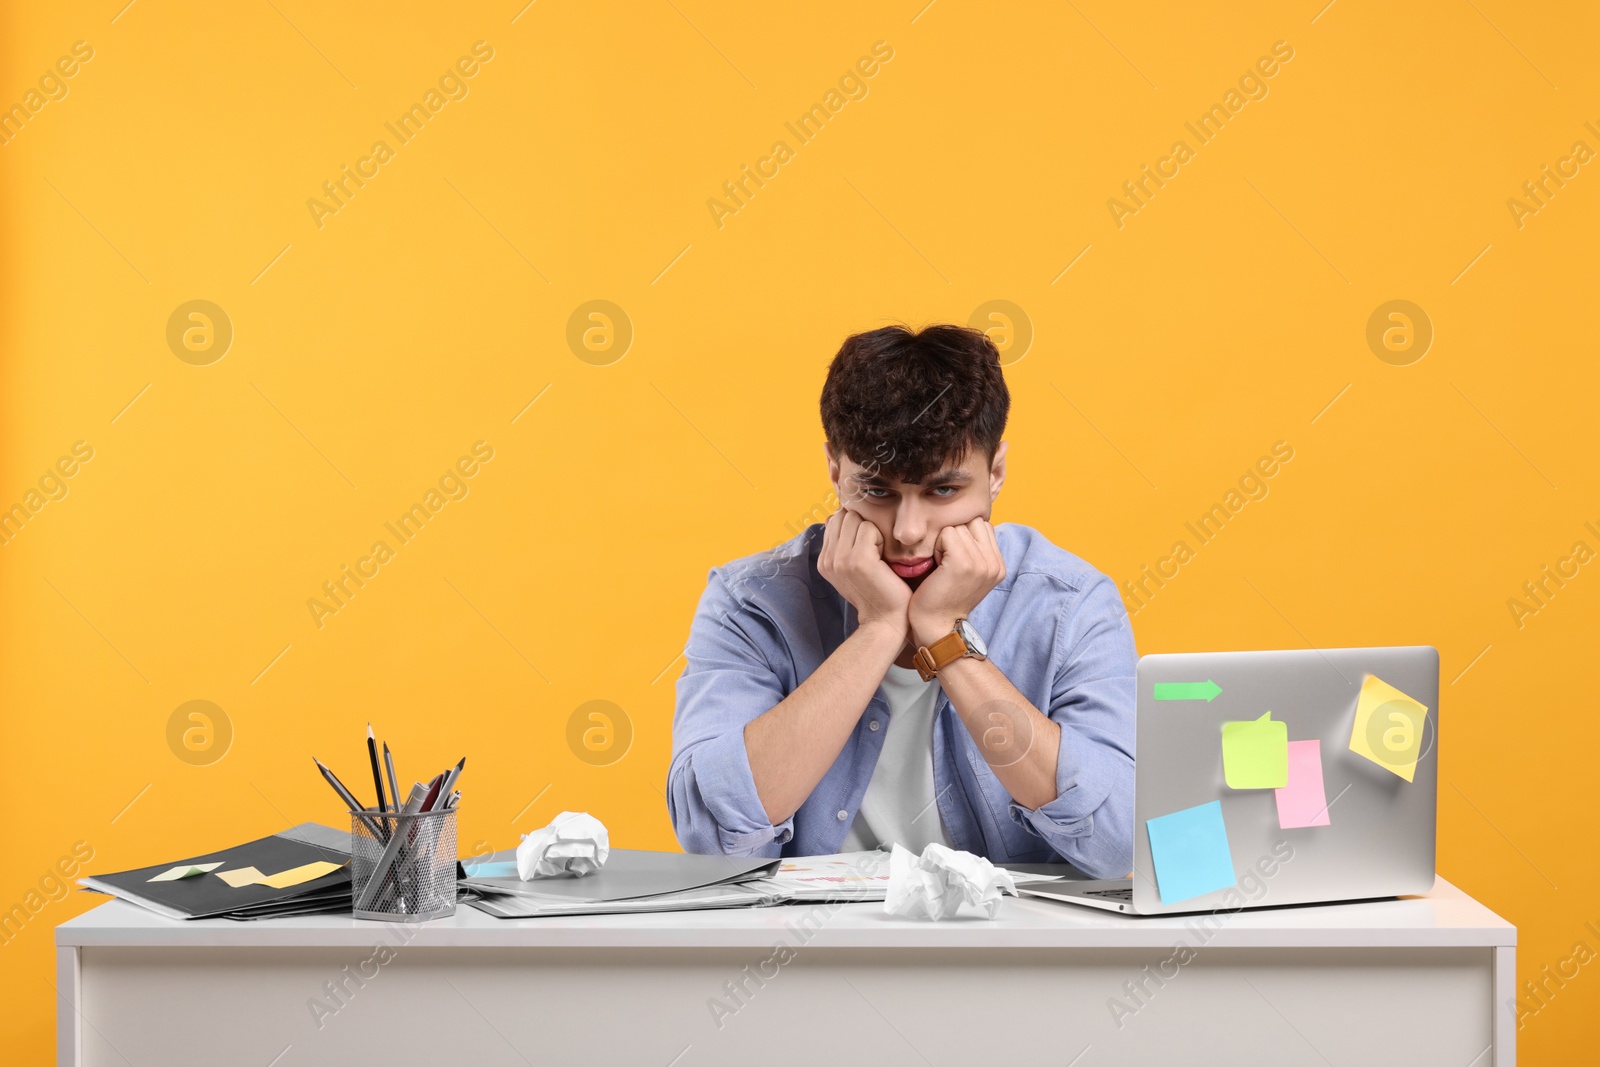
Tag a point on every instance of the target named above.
point(1212, 830)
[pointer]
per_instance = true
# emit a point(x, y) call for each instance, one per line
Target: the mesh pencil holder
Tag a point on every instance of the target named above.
point(403, 866)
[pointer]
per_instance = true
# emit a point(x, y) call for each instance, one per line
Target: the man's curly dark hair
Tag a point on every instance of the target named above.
point(902, 402)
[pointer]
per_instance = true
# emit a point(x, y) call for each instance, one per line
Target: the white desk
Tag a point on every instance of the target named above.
point(1424, 980)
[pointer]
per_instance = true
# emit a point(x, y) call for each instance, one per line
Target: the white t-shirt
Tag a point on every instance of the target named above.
point(898, 806)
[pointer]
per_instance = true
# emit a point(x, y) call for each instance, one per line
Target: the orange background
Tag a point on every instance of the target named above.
point(368, 354)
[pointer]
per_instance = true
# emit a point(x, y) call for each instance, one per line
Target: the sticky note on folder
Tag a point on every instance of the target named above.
point(240, 876)
point(1388, 727)
point(299, 875)
point(1255, 753)
point(497, 869)
point(294, 876)
point(1304, 801)
point(184, 870)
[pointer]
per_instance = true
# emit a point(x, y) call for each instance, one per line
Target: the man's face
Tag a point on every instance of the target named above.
point(910, 515)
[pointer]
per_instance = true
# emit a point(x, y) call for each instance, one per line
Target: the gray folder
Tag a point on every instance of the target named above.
point(629, 874)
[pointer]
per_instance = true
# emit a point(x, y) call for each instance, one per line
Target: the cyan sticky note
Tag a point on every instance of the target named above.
point(497, 869)
point(1255, 753)
point(1304, 801)
point(1190, 852)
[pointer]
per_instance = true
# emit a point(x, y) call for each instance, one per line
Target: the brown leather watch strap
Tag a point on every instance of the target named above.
point(930, 658)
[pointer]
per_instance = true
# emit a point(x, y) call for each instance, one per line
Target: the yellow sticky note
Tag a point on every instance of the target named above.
point(244, 876)
point(297, 875)
point(1255, 753)
point(240, 876)
point(1388, 727)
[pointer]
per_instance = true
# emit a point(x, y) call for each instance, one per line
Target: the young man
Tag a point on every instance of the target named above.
point(907, 672)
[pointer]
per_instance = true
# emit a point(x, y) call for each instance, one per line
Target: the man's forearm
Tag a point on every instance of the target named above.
point(1021, 745)
point(792, 746)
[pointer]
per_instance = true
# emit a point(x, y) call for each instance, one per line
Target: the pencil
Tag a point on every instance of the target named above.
point(452, 775)
point(350, 801)
point(377, 775)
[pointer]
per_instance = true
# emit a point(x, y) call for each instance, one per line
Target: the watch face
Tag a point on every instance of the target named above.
point(970, 636)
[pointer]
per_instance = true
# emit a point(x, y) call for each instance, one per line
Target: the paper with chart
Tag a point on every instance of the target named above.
point(849, 876)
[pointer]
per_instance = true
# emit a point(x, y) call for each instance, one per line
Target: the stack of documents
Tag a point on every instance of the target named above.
point(631, 881)
point(637, 881)
point(300, 871)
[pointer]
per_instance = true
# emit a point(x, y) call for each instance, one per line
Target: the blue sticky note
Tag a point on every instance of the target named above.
point(1190, 851)
point(499, 869)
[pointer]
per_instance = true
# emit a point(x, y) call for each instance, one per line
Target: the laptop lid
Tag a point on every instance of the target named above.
point(1211, 829)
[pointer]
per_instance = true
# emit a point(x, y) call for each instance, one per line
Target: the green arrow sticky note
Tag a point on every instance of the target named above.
point(1206, 690)
point(1255, 753)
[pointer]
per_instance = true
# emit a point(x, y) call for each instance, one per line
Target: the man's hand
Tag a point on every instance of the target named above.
point(852, 562)
point(969, 566)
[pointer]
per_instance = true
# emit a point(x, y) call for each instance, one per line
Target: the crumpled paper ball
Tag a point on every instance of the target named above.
point(574, 843)
point(936, 884)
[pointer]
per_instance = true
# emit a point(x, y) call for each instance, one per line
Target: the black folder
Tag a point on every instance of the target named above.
point(207, 896)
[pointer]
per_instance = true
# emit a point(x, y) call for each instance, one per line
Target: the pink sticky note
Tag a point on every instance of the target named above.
point(1303, 802)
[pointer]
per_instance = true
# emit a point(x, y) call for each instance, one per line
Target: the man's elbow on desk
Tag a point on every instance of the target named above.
point(1099, 843)
point(698, 829)
point(1101, 859)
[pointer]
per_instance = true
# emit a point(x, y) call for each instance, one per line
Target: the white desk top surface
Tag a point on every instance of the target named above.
point(1444, 917)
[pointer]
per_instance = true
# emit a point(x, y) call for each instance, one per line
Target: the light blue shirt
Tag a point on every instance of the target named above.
point(1054, 626)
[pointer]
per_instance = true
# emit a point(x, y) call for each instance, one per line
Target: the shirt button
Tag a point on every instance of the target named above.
point(873, 725)
point(843, 815)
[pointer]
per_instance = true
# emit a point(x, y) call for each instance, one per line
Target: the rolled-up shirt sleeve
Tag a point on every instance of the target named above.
point(711, 794)
point(1090, 822)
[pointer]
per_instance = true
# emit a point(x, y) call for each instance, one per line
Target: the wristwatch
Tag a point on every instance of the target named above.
point(958, 643)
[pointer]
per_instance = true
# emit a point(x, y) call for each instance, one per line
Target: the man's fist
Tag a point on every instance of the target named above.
point(969, 566)
point(852, 562)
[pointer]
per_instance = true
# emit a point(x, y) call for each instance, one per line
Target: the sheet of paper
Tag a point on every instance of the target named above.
point(1255, 753)
point(1304, 801)
point(185, 870)
point(1190, 851)
point(1388, 727)
point(240, 876)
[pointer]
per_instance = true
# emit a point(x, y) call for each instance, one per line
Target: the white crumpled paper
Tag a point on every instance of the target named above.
point(575, 843)
point(936, 884)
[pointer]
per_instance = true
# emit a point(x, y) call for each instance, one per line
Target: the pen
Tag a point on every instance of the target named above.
point(377, 775)
point(394, 786)
point(391, 853)
point(451, 776)
point(350, 801)
point(433, 793)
